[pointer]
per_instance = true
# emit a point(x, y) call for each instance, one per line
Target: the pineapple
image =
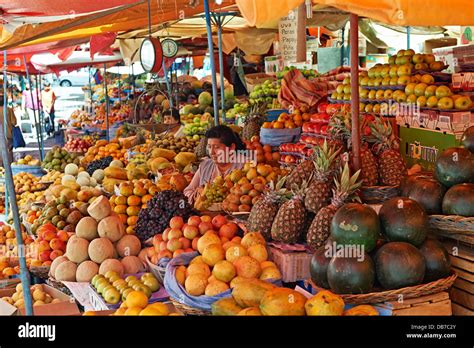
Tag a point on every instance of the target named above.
point(290, 220)
point(368, 167)
point(392, 168)
point(201, 149)
point(300, 173)
point(319, 191)
point(264, 211)
point(344, 191)
point(253, 122)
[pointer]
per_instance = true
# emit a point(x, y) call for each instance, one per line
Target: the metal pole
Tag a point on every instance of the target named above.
point(354, 45)
point(10, 188)
point(106, 104)
point(408, 37)
point(119, 89)
point(31, 96)
point(218, 20)
point(40, 117)
point(211, 57)
point(342, 45)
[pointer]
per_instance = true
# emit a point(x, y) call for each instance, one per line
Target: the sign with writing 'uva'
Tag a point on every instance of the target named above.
point(288, 33)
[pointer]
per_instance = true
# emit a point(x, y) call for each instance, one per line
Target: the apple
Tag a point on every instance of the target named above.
point(411, 99)
point(55, 253)
point(430, 91)
point(463, 103)
point(443, 91)
point(369, 108)
point(361, 107)
point(388, 94)
point(346, 81)
point(429, 58)
point(403, 70)
point(44, 255)
point(379, 94)
point(185, 242)
point(421, 101)
point(420, 89)
point(174, 244)
point(410, 88)
point(191, 232)
point(385, 71)
point(175, 233)
point(371, 82)
point(372, 94)
point(111, 296)
point(446, 103)
point(334, 95)
point(43, 246)
point(428, 79)
point(432, 102)
point(62, 235)
point(364, 81)
point(163, 246)
point(364, 93)
point(375, 109)
point(206, 218)
point(391, 60)
point(403, 80)
point(194, 221)
point(203, 227)
point(347, 97)
point(421, 66)
point(394, 81)
point(165, 253)
point(165, 234)
point(393, 71)
point(157, 239)
point(417, 58)
point(400, 53)
point(401, 97)
point(371, 72)
point(49, 235)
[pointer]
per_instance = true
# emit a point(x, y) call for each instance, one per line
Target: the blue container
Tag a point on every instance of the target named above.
point(35, 170)
point(276, 137)
point(272, 115)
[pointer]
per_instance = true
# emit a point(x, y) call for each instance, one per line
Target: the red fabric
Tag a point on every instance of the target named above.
point(100, 43)
point(65, 53)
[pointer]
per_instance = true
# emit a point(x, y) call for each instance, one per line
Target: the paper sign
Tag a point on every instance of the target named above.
point(81, 292)
point(288, 34)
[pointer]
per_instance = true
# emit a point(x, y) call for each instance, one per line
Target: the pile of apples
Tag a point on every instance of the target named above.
point(182, 237)
point(50, 244)
point(78, 145)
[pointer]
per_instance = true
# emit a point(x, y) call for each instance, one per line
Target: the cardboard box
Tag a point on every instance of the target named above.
point(454, 121)
point(446, 55)
point(293, 266)
point(67, 306)
point(255, 79)
point(432, 44)
point(463, 81)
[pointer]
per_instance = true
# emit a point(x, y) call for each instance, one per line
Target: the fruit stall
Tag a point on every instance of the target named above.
point(348, 198)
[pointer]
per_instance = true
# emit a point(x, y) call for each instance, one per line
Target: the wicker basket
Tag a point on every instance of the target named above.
point(378, 194)
point(158, 272)
point(59, 286)
point(186, 310)
point(40, 272)
point(394, 295)
point(452, 224)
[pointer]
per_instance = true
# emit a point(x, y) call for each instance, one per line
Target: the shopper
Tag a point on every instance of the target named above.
point(31, 104)
point(221, 141)
point(11, 122)
point(171, 117)
point(48, 99)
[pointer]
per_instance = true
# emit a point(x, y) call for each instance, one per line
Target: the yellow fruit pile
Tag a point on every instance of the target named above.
point(8, 240)
point(26, 182)
point(103, 148)
point(28, 160)
point(133, 196)
point(54, 176)
point(39, 296)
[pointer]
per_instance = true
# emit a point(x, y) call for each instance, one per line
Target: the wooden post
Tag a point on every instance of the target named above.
point(301, 33)
point(354, 45)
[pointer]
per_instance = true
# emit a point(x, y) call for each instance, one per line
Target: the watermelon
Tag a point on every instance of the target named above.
point(437, 261)
point(429, 193)
point(356, 224)
point(351, 275)
point(403, 220)
point(319, 267)
point(455, 166)
point(468, 139)
point(408, 182)
point(459, 200)
point(399, 264)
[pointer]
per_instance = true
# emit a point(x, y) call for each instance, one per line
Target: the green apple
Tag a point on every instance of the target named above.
point(417, 58)
point(443, 91)
point(101, 285)
point(394, 81)
point(388, 94)
point(119, 282)
point(410, 88)
point(372, 94)
point(111, 296)
point(421, 101)
point(463, 103)
point(364, 93)
point(364, 81)
point(411, 99)
point(421, 66)
point(361, 107)
point(347, 89)
point(430, 91)
point(110, 274)
point(369, 108)
point(401, 97)
point(400, 53)
point(143, 288)
point(446, 103)
point(393, 71)
point(347, 96)
point(152, 283)
point(340, 88)
point(96, 278)
point(114, 278)
point(403, 80)
point(420, 89)
point(385, 71)
point(347, 81)
point(379, 94)
point(432, 102)
point(428, 79)
point(404, 70)
point(125, 293)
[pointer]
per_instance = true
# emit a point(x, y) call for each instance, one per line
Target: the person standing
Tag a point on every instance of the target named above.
point(48, 99)
point(11, 122)
point(30, 104)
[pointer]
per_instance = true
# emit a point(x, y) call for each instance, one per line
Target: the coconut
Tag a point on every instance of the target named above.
point(101, 249)
point(66, 271)
point(86, 271)
point(111, 227)
point(111, 265)
point(87, 228)
point(100, 208)
point(132, 265)
point(76, 249)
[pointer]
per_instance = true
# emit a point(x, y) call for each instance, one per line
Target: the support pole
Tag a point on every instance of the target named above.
point(218, 20)
point(408, 37)
point(10, 188)
point(107, 135)
point(354, 46)
point(211, 57)
point(343, 32)
point(301, 33)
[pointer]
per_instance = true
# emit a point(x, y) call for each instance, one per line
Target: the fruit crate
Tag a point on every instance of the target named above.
point(462, 262)
point(293, 265)
point(438, 304)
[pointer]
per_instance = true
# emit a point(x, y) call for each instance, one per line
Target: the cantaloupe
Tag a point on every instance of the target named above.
point(111, 265)
point(86, 271)
point(128, 245)
point(98, 175)
point(71, 169)
point(87, 228)
point(66, 271)
point(100, 208)
point(132, 265)
point(101, 249)
point(111, 227)
point(76, 249)
point(56, 262)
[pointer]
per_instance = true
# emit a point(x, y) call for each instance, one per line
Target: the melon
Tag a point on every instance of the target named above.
point(247, 267)
point(283, 301)
point(99, 208)
point(128, 245)
point(132, 265)
point(408, 181)
point(101, 249)
point(205, 99)
point(398, 265)
point(324, 303)
point(71, 169)
point(351, 275)
point(356, 224)
point(87, 228)
point(66, 271)
point(207, 239)
point(215, 287)
point(403, 220)
point(83, 174)
point(319, 267)
point(459, 200)
point(76, 249)
point(86, 271)
point(186, 110)
point(98, 175)
point(429, 193)
point(455, 166)
point(56, 262)
point(111, 227)
point(437, 260)
point(111, 265)
point(467, 139)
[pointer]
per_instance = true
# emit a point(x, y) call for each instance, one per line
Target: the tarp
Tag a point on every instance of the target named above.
point(260, 13)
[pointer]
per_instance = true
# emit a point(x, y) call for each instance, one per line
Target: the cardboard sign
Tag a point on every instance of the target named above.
point(288, 34)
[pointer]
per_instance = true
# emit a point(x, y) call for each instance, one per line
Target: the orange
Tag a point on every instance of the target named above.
point(133, 311)
point(146, 198)
point(132, 220)
point(9, 271)
point(123, 218)
point(278, 125)
point(134, 200)
point(121, 200)
point(139, 191)
point(120, 209)
point(136, 299)
point(133, 210)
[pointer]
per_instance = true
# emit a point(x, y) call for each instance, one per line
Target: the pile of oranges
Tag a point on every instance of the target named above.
point(264, 152)
point(133, 196)
point(103, 149)
point(288, 121)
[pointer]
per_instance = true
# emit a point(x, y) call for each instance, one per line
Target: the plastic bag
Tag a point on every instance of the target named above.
point(276, 137)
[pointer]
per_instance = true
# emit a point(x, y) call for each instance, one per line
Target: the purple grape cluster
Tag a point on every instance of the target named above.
point(160, 209)
point(99, 164)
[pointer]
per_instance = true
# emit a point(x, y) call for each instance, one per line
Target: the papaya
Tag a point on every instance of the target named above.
point(325, 303)
point(116, 173)
point(283, 301)
point(185, 158)
point(249, 293)
point(225, 306)
point(250, 311)
point(72, 185)
point(361, 310)
point(168, 154)
point(56, 190)
point(109, 183)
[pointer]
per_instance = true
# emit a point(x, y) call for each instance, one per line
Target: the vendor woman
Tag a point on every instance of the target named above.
point(221, 141)
point(172, 119)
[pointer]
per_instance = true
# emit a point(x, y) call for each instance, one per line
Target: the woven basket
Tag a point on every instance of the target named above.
point(59, 286)
point(40, 272)
point(378, 194)
point(452, 224)
point(186, 310)
point(158, 272)
point(394, 295)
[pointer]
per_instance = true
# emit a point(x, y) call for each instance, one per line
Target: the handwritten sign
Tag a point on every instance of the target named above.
point(288, 33)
